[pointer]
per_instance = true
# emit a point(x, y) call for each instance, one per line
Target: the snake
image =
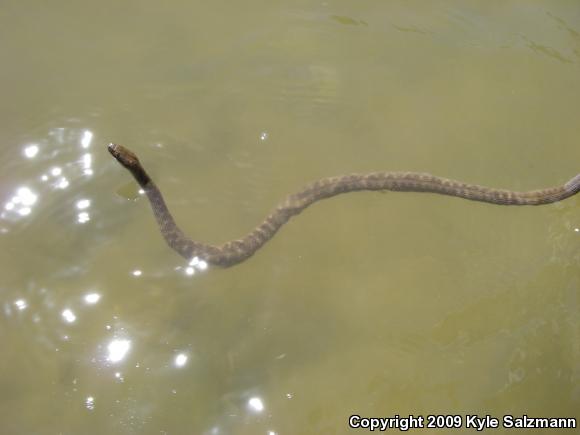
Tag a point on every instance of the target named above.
point(237, 251)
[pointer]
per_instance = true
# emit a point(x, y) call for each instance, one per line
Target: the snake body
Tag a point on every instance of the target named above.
point(236, 251)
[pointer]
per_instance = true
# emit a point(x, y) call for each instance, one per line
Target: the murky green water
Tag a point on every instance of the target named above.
point(369, 304)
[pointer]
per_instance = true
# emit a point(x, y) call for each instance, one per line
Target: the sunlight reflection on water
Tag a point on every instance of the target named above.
point(22, 203)
point(108, 332)
point(118, 349)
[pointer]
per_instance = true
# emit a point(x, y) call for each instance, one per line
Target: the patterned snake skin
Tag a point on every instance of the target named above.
point(236, 251)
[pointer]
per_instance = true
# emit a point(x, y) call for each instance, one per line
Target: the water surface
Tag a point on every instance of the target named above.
point(374, 304)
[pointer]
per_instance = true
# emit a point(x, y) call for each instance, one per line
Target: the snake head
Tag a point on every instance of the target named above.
point(129, 160)
point(125, 157)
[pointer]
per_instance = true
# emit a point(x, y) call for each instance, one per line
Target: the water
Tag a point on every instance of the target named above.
point(374, 304)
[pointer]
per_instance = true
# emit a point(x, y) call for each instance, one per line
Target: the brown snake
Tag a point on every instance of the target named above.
point(236, 251)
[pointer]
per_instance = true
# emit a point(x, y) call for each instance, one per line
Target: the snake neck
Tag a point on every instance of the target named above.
point(141, 177)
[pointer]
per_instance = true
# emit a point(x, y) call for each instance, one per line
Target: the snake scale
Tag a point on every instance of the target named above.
point(236, 251)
